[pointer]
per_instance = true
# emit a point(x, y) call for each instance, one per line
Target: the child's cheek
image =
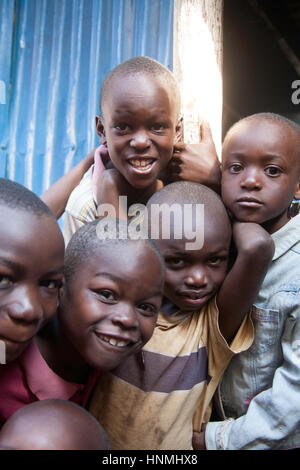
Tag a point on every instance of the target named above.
point(170, 284)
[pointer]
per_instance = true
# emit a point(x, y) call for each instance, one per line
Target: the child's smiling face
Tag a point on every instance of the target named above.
point(260, 172)
point(140, 124)
point(110, 305)
point(31, 271)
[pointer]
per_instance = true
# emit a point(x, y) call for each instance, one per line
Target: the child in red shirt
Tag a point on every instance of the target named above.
point(108, 307)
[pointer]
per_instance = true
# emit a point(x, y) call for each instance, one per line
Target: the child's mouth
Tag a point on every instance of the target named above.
point(195, 298)
point(249, 202)
point(142, 165)
point(119, 343)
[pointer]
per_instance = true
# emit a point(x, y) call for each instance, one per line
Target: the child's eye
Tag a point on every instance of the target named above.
point(159, 127)
point(272, 171)
point(235, 168)
point(107, 294)
point(148, 309)
point(216, 260)
point(174, 262)
point(122, 127)
point(5, 282)
point(52, 284)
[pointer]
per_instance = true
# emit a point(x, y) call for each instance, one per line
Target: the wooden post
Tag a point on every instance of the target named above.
point(197, 65)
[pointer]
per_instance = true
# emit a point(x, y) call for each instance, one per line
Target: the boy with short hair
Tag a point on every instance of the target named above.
point(140, 125)
point(31, 267)
point(108, 308)
point(260, 388)
point(157, 403)
point(53, 425)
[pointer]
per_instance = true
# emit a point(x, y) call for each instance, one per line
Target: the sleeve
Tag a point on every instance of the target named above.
point(71, 225)
point(219, 355)
point(273, 415)
point(219, 351)
point(80, 207)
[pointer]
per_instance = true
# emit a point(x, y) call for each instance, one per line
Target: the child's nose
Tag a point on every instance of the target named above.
point(196, 278)
point(25, 307)
point(125, 316)
point(251, 179)
point(140, 140)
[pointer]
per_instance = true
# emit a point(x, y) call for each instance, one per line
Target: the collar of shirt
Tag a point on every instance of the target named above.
point(43, 381)
point(286, 237)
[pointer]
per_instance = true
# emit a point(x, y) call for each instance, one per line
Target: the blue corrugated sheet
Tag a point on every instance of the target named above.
point(54, 55)
point(6, 32)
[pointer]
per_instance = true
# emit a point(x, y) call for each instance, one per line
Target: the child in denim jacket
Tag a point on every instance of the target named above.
point(259, 392)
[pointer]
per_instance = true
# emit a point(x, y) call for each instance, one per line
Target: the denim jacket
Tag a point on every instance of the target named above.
point(260, 390)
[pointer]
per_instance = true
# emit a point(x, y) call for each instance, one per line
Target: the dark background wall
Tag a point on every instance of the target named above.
point(257, 73)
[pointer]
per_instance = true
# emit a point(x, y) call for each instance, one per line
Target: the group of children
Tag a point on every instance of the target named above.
point(149, 335)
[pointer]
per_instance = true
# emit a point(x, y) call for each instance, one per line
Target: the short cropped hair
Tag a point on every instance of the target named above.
point(273, 117)
point(141, 65)
point(16, 196)
point(183, 193)
point(86, 241)
point(187, 192)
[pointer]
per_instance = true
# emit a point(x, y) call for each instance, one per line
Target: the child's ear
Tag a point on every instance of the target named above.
point(100, 129)
point(297, 192)
point(179, 131)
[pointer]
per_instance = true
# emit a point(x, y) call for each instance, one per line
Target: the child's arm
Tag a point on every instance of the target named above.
point(196, 162)
point(57, 195)
point(255, 249)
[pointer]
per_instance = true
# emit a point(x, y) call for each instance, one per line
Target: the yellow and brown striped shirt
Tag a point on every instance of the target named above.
point(155, 400)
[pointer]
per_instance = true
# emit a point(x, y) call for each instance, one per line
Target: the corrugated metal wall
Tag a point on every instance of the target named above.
point(54, 55)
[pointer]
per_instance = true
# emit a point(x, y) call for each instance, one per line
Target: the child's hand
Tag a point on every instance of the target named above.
point(196, 162)
point(198, 440)
point(252, 238)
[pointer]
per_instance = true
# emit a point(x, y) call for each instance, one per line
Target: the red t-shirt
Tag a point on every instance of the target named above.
point(29, 379)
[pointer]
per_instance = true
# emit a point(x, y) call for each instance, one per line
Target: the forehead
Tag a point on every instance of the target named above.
point(19, 227)
point(262, 136)
point(122, 260)
point(130, 93)
point(213, 230)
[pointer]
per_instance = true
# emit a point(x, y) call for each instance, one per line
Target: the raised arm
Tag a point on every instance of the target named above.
point(57, 195)
point(255, 250)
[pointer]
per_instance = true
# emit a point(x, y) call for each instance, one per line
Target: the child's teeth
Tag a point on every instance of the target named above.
point(141, 163)
point(114, 342)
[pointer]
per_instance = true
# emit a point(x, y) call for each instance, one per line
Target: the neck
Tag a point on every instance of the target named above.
point(271, 226)
point(142, 195)
point(60, 354)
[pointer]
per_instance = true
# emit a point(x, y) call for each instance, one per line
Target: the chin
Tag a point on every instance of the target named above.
point(142, 183)
point(189, 308)
point(13, 354)
point(254, 218)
